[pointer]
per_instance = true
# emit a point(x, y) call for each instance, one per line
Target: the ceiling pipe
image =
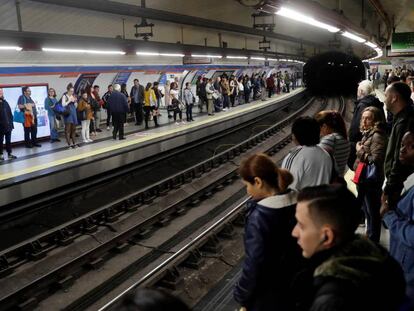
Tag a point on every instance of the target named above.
point(384, 15)
point(137, 11)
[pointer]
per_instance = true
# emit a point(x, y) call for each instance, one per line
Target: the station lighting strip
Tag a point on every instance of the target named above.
point(77, 51)
point(159, 54)
point(10, 48)
point(303, 18)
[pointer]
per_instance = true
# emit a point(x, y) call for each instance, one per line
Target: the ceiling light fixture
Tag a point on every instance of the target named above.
point(172, 54)
point(208, 56)
point(372, 45)
point(273, 59)
point(10, 48)
point(236, 57)
point(148, 53)
point(297, 16)
point(353, 37)
point(59, 50)
point(258, 58)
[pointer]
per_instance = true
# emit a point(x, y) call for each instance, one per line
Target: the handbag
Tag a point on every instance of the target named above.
point(215, 95)
point(18, 116)
point(371, 173)
point(359, 173)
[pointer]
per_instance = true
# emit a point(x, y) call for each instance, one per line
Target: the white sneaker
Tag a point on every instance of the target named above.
point(90, 140)
point(108, 128)
point(177, 123)
point(86, 141)
point(224, 109)
point(183, 122)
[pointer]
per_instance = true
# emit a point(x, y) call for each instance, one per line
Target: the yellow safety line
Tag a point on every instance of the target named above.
point(130, 142)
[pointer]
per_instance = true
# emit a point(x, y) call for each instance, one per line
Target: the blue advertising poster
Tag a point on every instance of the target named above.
point(121, 77)
point(39, 93)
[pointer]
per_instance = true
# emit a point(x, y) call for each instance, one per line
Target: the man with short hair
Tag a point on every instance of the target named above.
point(345, 271)
point(118, 105)
point(137, 98)
point(365, 98)
point(397, 101)
point(28, 106)
point(97, 110)
point(105, 100)
point(309, 164)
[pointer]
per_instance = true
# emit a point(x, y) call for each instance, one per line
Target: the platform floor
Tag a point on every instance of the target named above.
point(51, 155)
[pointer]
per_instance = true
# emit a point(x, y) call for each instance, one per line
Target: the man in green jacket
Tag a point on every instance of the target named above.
point(398, 102)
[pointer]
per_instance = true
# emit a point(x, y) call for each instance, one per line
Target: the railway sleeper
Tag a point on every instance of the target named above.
point(111, 215)
point(163, 221)
point(171, 279)
point(28, 304)
point(148, 197)
point(121, 248)
point(36, 251)
point(177, 182)
point(212, 245)
point(164, 188)
point(194, 260)
point(64, 282)
point(180, 211)
point(5, 267)
point(95, 263)
point(194, 202)
point(227, 232)
point(144, 233)
point(65, 237)
point(89, 225)
point(130, 206)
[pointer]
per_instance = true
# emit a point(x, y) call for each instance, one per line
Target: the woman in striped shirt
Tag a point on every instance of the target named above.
point(334, 138)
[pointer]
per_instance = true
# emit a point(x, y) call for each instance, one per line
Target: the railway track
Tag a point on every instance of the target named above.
point(112, 232)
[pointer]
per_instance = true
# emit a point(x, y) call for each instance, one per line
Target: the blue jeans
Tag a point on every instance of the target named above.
point(53, 127)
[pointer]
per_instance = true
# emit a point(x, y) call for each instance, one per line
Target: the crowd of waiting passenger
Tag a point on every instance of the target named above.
point(302, 250)
point(142, 103)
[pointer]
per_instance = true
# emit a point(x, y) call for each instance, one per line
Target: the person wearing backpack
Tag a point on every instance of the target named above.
point(69, 102)
point(50, 104)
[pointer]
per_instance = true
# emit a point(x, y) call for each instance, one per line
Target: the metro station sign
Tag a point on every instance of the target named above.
point(402, 42)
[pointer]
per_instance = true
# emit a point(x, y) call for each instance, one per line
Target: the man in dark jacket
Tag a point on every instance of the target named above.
point(6, 127)
point(118, 105)
point(345, 272)
point(398, 102)
point(137, 98)
point(365, 99)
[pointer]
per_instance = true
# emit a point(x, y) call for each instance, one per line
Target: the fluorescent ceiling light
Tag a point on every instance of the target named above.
point(353, 37)
point(83, 51)
point(172, 54)
point(10, 48)
point(148, 53)
point(258, 58)
point(372, 45)
point(273, 59)
point(236, 57)
point(208, 56)
point(297, 16)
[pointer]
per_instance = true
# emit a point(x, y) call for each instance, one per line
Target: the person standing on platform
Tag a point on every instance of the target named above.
point(6, 127)
point(118, 105)
point(287, 81)
point(69, 102)
point(398, 102)
point(137, 100)
point(97, 111)
point(189, 100)
point(150, 104)
point(125, 92)
point(50, 103)
point(108, 112)
point(85, 110)
point(263, 86)
point(28, 106)
point(272, 254)
point(399, 221)
point(344, 271)
point(209, 95)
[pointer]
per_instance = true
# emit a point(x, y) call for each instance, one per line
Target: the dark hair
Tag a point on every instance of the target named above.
point(187, 83)
point(136, 80)
point(156, 83)
point(110, 85)
point(152, 300)
point(393, 79)
point(148, 86)
point(123, 86)
point(69, 86)
point(403, 91)
point(334, 205)
point(333, 120)
point(262, 166)
point(306, 131)
point(24, 89)
point(96, 86)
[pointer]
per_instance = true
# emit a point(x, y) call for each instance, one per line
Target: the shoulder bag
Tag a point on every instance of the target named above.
point(18, 115)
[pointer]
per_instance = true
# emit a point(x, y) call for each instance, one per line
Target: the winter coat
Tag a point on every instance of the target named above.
point(395, 171)
point(6, 117)
point(374, 144)
point(355, 134)
point(272, 254)
point(118, 103)
point(359, 275)
point(85, 106)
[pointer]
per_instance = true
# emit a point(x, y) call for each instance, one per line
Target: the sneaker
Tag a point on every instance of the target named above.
point(183, 122)
point(108, 128)
point(11, 156)
point(85, 141)
point(90, 140)
point(224, 109)
point(177, 123)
